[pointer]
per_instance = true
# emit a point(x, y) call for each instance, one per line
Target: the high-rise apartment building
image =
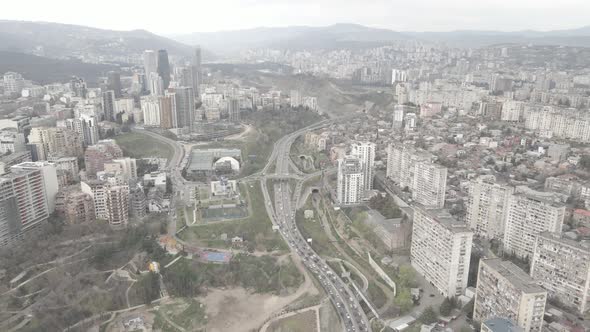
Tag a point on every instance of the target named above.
point(11, 141)
point(562, 267)
point(13, 83)
point(167, 106)
point(117, 204)
point(296, 99)
point(74, 205)
point(401, 163)
point(234, 109)
point(487, 206)
point(441, 250)
point(150, 62)
point(349, 189)
point(137, 202)
point(183, 76)
point(127, 167)
point(365, 152)
point(398, 116)
point(108, 105)
point(504, 290)
point(197, 71)
point(164, 67)
point(23, 204)
point(55, 142)
point(527, 217)
point(150, 106)
point(97, 155)
point(111, 202)
point(185, 106)
point(430, 184)
point(114, 83)
point(86, 127)
point(78, 87)
point(49, 176)
point(155, 84)
point(68, 165)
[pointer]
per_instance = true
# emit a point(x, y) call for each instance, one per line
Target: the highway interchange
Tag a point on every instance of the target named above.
point(282, 214)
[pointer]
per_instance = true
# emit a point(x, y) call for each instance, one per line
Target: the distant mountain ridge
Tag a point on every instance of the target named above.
point(44, 70)
point(354, 35)
point(293, 37)
point(66, 40)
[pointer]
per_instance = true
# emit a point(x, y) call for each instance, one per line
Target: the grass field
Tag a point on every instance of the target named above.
point(137, 145)
point(188, 314)
point(313, 229)
point(224, 213)
point(302, 322)
point(376, 295)
point(256, 229)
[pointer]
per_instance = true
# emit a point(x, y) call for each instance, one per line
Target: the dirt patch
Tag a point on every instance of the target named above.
point(329, 319)
point(236, 309)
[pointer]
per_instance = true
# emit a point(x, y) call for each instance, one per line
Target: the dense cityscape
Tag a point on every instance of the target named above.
point(394, 184)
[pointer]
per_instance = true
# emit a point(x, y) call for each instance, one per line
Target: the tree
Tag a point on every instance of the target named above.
point(406, 276)
point(404, 300)
point(447, 306)
point(428, 316)
point(149, 287)
point(468, 308)
point(584, 162)
point(473, 268)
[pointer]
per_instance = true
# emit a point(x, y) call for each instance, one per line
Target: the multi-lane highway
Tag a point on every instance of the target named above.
point(283, 215)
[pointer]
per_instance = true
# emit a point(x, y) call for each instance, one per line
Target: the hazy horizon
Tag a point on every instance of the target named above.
point(182, 17)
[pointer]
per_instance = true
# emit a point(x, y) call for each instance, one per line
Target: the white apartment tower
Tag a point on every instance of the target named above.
point(150, 62)
point(296, 99)
point(234, 109)
point(430, 184)
point(487, 206)
point(504, 290)
point(441, 250)
point(401, 163)
point(365, 152)
point(49, 176)
point(150, 106)
point(126, 166)
point(562, 267)
point(23, 204)
point(111, 201)
point(155, 84)
point(527, 217)
point(350, 185)
point(13, 83)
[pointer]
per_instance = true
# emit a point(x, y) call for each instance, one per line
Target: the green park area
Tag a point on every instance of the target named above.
point(185, 313)
point(313, 229)
point(263, 274)
point(269, 126)
point(311, 156)
point(255, 230)
point(138, 145)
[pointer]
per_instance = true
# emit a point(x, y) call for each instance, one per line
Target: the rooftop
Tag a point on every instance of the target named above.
point(443, 217)
point(566, 241)
point(515, 275)
point(499, 324)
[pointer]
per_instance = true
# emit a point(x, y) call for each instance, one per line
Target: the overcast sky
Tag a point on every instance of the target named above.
point(185, 16)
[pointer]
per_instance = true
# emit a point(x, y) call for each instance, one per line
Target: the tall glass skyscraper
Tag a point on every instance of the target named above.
point(164, 67)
